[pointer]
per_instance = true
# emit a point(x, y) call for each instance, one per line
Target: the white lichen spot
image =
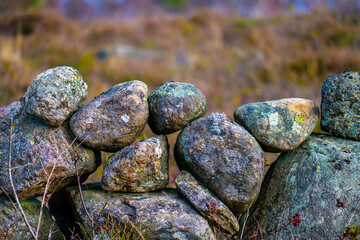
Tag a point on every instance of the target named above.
point(292, 179)
point(296, 128)
point(105, 116)
point(89, 120)
point(125, 118)
point(97, 104)
point(273, 119)
point(158, 151)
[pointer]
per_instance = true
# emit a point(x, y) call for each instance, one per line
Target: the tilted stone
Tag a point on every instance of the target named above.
point(173, 105)
point(340, 105)
point(206, 203)
point(279, 125)
point(35, 149)
point(309, 180)
point(55, 94)
point(114, 119)
point(140, 167)
point(224, 157)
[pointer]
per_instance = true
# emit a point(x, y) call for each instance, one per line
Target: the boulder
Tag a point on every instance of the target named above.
point(340, 105)
point(224, 157)
point(279, 125)
point(140, 167)
point(207, 204)
point(114, 119)
point(37, 150)
point(165, 214)
point(173, 105)
point(319, 180)
point(55, 94)
point(13, 227)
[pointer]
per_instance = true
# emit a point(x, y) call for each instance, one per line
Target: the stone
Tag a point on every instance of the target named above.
point(55, 94)
point(207, 204)
point(140, 167)
point(114, 119)
point(37, 148)
point(173, 105)
point(13, 227)
point(340, 105)
point(165, 212)
point(309, 180)
point(279, 125)
point(224, 157)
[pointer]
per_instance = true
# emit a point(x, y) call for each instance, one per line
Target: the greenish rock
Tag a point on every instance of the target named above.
point(114, 119)
point(140, 167)
point(309, 180)
point(279, 125)
point(55, 94)
point(165, 213)
point(37, 150)
point(13, 227)
point(340, 105)
point(207, 204)
point(224, 157)
point(173, 105)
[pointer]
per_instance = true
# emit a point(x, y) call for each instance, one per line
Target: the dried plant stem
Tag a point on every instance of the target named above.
point(243, 227)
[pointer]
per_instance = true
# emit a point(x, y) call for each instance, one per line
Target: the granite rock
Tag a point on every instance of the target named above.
point(173, 105)
point(114, 119)
point(224, 157)
point(279, 125)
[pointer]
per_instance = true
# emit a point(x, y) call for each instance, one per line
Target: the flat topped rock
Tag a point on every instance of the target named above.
point(340, 105)
point(224, 157)
point(173, 105)
point(114, 119)
point(279, 125)
point(140, 167)
point(55, 94)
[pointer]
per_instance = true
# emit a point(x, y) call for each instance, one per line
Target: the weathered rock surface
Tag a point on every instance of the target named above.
point(340, 105)
point(173, 105)
point(35, 149)
point(308, 180)
point(279, 125)
point(55, 94)
point(224, 157)
point(207, 204)
point(168, 214)
point(140, 167)
point(114, 119)
point(13, 227)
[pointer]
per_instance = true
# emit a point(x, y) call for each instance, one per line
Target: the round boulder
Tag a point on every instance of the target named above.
point(279, 125)
point(54, 95)
point(224, 157)
point(114, 119)
point(173, 105)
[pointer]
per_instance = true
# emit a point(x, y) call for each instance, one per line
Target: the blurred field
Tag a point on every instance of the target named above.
point(232, 60)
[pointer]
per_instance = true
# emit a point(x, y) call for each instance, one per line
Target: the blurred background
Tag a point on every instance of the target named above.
point(235, 52)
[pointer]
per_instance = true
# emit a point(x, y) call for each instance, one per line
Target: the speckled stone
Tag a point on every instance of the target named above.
point(279, 125)
point(173, 105)
point(14, 228)
point(35, 149)
point(114, 119)
point(55, 94)
point(308, 180)
point(140, 167)
point(207, 204)
point(340, 105)
point(224, 157)
point(166, 212)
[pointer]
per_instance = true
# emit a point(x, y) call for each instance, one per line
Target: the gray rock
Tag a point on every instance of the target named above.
point(13, 227)
point(140, 167)
point(114, 119)
point(224, 157)
point(173, 105)
point(54, 95)
point(207, 204)
point(308, 180)
point(35, 149)
point(166, 212)
point(340, 105)
point(279, 125)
